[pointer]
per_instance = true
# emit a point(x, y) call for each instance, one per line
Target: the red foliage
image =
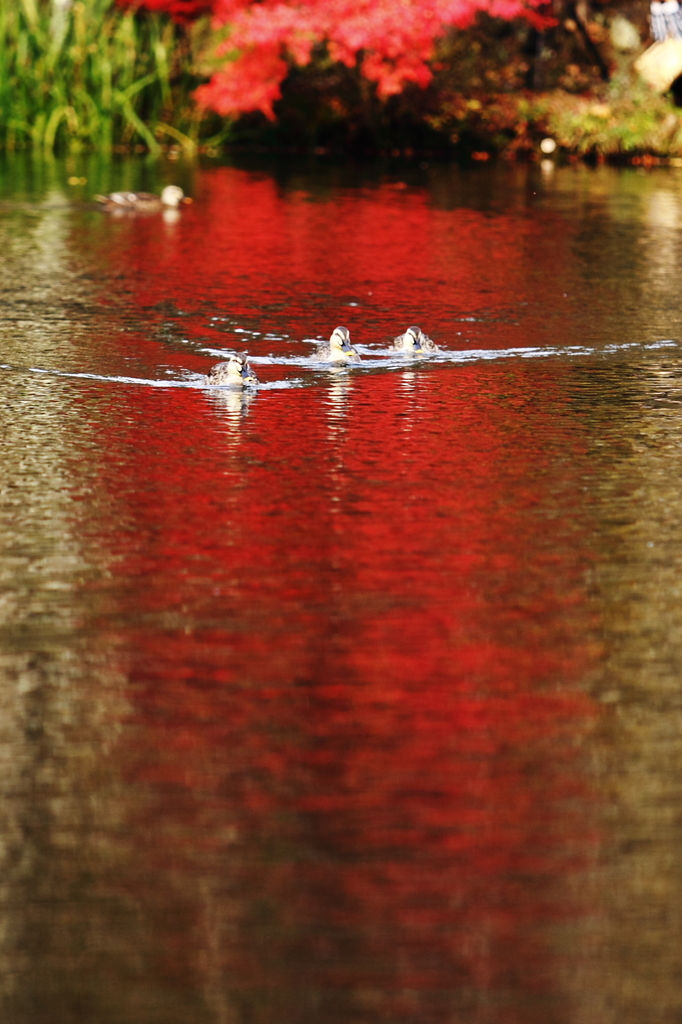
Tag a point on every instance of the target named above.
point(391, 40)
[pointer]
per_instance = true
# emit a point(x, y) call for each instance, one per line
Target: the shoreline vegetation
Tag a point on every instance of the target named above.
point(89, 76)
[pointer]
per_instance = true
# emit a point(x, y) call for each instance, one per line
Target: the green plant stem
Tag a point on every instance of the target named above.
point(91, 75)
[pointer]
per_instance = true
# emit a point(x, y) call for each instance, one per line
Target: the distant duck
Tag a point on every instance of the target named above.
point(414, 342)
point(143, 202)
point(236, 371)
point(338, 349)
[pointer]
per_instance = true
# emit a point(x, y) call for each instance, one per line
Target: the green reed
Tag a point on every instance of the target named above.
point(89, 75)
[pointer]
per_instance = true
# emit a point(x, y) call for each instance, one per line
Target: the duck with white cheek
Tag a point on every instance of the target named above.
point(171, 198)
point(414, 342)
point(235, 372)
point(338, 349)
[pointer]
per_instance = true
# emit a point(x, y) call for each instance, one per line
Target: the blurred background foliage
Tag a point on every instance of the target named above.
point(92, 76)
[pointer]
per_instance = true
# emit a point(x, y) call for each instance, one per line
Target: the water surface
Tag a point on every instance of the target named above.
point(354, 697)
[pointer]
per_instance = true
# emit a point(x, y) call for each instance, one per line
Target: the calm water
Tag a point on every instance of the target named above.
point(356, 699)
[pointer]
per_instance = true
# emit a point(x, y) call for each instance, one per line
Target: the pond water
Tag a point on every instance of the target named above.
point(355, 698)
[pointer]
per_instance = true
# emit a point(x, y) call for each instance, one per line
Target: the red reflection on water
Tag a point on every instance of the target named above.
point(355, 624)
point(298, 262)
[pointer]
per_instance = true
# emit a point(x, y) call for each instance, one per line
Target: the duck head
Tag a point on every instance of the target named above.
point(172, 196)
point(243, 370)
point(413, 338)
point(339, 343)
point(235, 371)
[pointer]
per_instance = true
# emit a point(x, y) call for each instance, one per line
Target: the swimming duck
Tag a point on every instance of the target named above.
point(235, 371)
point(338, 349)
point(414, 342)
point(143, 202)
